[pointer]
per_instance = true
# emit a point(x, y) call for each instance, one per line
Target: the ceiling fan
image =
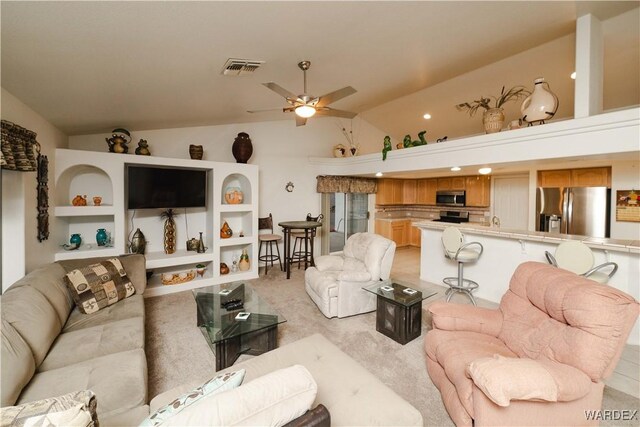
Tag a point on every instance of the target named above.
point(305, 105)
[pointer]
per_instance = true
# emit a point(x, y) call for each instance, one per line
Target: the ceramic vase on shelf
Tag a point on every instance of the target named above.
point(196, 152)
point(75, 239)
point(242, 148)
point(493, 119)
point(101, 237)
point(169, 232)
point(244, 264)
point(138, 243)
point(541, 105)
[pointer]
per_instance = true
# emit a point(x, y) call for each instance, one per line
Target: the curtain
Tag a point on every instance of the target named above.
point(345, 184)
point(17, 146)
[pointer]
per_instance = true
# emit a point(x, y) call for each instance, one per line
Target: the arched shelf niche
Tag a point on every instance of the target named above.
point(237, 181)
point(84, 180)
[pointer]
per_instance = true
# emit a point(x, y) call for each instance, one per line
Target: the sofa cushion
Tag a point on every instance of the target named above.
point(133, 264)
point(17, 364)
point(118, 380)
point(323, 283)
point(76, 409)
point(329, 262)
point(453, 350)
point(270, 400)
point(168, 414)
point(128, 417)
point(567, 318)
point(88, 343)
point(97, 286)
point(126, 309)
point(49, 281)
point(33, 317)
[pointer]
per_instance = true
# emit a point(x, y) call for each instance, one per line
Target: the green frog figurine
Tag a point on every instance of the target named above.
point(386, 147)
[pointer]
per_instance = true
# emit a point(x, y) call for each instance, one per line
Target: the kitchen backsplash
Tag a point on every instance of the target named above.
point(478, 215)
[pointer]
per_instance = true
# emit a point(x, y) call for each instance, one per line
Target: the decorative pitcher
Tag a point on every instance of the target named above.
point(541, 105)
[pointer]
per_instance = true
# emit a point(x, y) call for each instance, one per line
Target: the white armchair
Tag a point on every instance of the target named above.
point(335, 283)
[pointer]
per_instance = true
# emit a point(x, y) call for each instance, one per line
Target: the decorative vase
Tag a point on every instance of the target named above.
point(138, 243)
point(101, 237)
point(224, 269)
point(169, 232)
point(200, 269)
point(196, 152)
point(233, 195)
point(79, 200)
point(541, 105)
point(201, 248)
point(242, 148)
point(493, 119)
point(225, 231)
point(244, 264)
point(75, 239)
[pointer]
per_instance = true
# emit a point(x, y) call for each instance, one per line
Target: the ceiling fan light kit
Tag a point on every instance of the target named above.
point(306, 106)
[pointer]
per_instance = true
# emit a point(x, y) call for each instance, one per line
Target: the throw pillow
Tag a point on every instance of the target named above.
point(271, 400)
point(77, 409)
point(503, 379)
point(217, 384)
point(97, 286)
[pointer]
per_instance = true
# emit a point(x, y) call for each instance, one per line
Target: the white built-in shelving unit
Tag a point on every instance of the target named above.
point(89, 173)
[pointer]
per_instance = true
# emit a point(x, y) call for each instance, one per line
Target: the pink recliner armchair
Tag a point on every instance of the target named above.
point(539, 359)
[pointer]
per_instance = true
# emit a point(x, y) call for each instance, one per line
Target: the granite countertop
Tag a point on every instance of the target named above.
point(617, 245)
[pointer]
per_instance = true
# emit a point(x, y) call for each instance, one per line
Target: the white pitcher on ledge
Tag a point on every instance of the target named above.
point(541, 105)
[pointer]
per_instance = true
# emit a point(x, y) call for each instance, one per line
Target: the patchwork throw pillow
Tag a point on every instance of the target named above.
point(77, 409)
point(97, 286)
point(215, 385)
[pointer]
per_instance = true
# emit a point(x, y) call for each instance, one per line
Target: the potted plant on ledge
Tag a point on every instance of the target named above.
point(493, 116)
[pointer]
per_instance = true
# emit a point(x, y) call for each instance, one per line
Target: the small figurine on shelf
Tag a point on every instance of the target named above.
point(118, 141)
point(223, 268)
point(97, 200)
point(143, 148)
point(200, 269)
point(244, 264)
point(192, 244)
point(79, 200)
point(386, 147)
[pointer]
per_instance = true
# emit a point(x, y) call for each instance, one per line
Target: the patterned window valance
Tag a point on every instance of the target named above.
point(345, 184)
point(18, 148)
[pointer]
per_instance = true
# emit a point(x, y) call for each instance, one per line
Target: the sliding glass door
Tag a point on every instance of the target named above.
point(347, 214)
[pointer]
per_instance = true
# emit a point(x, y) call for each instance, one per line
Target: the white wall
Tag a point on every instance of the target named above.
point(280, 149)
point(18, 257)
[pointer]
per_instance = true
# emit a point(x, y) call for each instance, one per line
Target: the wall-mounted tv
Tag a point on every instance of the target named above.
point(157, 187)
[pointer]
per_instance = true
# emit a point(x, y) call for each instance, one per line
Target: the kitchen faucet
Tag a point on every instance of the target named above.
point(495, 221)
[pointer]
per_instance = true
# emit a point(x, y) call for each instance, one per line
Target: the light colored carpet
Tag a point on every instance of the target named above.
point(177, 352)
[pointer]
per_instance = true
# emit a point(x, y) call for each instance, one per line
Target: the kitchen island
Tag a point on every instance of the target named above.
point(505, 249)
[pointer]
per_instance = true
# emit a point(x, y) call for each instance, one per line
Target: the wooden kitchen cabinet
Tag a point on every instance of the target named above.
point(451, 183)
point(591, 177)
point(478, 192)
point(555, 178)
point(389, 192)
point(426, 191)
point(396, 230)
point(409, 191)
point(414, 235)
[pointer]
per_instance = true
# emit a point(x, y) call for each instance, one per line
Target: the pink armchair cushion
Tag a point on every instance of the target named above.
point(504, 379)
point(457, 317)
point(567, 318)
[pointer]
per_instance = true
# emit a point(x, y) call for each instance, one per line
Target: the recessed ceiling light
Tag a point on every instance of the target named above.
point(427, 116)
point(484, 171)
point(573, 75)
point(455, 169)
point(378, 173)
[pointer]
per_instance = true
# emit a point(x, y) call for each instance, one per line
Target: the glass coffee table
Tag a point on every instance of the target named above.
point(399, 311)
point(228, 333)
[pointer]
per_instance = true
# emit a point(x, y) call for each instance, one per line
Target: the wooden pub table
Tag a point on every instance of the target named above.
point(399, 313)
point(308, 227)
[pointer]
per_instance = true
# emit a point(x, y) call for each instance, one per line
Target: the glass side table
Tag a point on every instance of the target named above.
point(399, 311)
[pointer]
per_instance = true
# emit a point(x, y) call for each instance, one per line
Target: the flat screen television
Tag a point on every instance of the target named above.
point(156, 187)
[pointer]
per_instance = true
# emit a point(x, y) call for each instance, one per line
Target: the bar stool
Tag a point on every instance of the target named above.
point(301, 254)
point(269, 239)
point(455, 250)
point(578, 258)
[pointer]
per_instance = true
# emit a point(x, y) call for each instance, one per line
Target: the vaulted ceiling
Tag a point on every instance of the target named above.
point(91, 66)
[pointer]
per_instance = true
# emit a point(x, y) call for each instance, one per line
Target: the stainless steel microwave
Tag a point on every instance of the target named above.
point(450, 198)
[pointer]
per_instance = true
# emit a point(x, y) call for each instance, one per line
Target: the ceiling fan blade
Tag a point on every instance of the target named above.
point(332, 112)
point(300, 121)
point(335, 96)
point(264, 111)
point(281, 91)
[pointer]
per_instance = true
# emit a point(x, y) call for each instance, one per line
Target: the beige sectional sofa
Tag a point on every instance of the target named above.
point(49, 348)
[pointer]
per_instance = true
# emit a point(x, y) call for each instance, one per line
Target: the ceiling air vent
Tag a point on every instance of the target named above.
point(240, 67)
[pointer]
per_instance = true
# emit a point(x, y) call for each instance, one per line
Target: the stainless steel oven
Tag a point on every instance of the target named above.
point(450, 198)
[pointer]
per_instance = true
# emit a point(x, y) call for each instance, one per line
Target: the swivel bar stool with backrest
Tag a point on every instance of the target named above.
point(269, 239)
point(578, 258)
point(302, 254)
point(454, 249)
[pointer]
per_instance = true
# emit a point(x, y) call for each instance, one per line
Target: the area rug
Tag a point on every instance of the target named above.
point(178, 353)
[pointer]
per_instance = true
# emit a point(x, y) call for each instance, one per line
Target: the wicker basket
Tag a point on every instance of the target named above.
point(176, 280)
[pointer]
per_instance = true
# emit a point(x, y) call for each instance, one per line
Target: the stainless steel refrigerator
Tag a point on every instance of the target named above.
point(584, 211)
